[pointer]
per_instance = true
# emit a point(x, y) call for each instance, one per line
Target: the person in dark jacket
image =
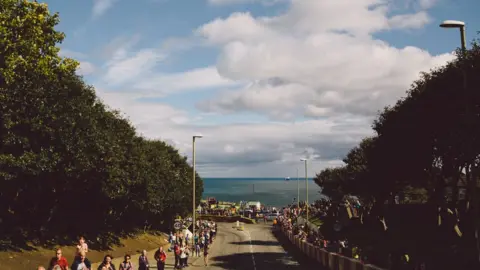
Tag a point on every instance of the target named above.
point(143, 263)
point(160, 256)
point(81, 262)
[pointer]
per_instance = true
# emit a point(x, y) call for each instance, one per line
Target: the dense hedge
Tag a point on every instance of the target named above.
point(68, 164)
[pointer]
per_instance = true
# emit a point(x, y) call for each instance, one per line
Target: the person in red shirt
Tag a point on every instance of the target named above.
point(58, 260)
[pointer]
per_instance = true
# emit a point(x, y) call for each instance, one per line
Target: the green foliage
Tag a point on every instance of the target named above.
point(68, 164)
point(426, 142)
point(352, 178)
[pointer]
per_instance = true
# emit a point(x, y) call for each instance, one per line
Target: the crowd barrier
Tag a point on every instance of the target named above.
point(328, 260)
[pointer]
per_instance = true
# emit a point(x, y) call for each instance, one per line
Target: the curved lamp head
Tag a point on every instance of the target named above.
point(452, 24)
point(198, 136)
point(303, 159)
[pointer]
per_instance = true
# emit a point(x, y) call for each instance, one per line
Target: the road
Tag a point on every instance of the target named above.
point(255, 248)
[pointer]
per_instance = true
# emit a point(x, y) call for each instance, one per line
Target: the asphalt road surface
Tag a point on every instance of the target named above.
point(254, 248)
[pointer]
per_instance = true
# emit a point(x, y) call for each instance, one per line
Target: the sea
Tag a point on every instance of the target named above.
point(275, 192)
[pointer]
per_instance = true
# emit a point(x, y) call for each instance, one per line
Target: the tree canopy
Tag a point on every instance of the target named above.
point(428, 140)
point(69, 165)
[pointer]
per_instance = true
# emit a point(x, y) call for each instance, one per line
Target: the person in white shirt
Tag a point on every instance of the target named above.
point(183, 256)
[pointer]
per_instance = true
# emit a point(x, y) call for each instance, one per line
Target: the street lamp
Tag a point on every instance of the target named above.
point(298, 191)
point(306, 183)
point(456, 24)
point(193, 177)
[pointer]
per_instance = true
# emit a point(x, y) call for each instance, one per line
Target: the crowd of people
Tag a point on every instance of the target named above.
point(81, 262)
point(289, 222)
point(182, 244)
point(185, 245)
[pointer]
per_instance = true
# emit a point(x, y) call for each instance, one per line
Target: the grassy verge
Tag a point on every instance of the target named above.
point(227, 219)
point(34, 256)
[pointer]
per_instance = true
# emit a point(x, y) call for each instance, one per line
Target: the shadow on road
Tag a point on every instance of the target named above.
point(257, 243)
point(292, 258)
point(244, 261)
point(297, 254)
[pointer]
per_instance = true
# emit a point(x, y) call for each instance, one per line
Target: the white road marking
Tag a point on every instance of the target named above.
point(251, 249)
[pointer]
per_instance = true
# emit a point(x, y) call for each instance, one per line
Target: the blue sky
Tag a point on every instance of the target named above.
point(267, 80)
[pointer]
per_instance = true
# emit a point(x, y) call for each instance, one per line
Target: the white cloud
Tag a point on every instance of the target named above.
point(322, 53)
point(101, 6)
point(231, 2)
point(416, 20)
point(86, 68)
point(318, 59)
point(162, 84)
point(139, 69)
point(72, 54)
point(122, 69)
point(263, 149)
point(425, 4)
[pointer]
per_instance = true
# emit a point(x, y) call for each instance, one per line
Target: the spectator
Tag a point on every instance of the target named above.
point(81, 262)
point(82, 246)
point(107, 262)
point(160, 256)
point(59, 260)
point(126, 264)
point(183, 256)
point(143, 263)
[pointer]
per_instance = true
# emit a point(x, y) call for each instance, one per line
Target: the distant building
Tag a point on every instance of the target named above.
point(254, 205)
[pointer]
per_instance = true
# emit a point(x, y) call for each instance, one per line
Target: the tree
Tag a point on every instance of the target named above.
point(429, 139)
point(355, 177)
point(64, 155)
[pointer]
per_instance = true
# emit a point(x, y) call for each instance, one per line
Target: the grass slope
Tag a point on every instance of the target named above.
point(32, 257)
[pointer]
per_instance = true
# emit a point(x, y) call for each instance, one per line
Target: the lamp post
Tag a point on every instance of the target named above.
point(306, 184)
point(461, 26)
point(193, 180)
point(298, 191)
point(473, 170)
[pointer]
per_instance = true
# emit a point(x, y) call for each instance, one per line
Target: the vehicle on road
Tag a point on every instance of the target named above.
point(273, 215)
